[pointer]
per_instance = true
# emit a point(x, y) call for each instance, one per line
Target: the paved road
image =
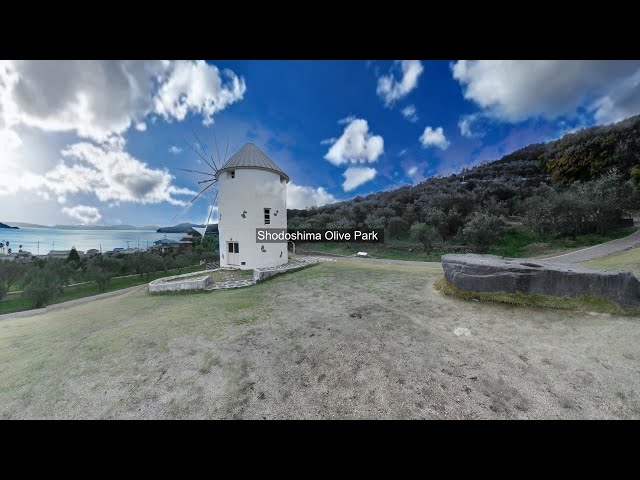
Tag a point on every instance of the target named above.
point(598, 251)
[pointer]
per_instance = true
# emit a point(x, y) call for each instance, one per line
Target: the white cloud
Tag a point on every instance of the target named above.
point(106, 171)
point(514, 90)
point(402, 152)
point(9, 141)
point(300, 196)
point(197, 87)
point(434, 138)
point(329, 141)
point(464, 124)
point(356, 176)
point(113, 175)
point(83, 213)
point(412, 171)
point(96, 99)
point(175, 149)
point(347, 119)
point(212, 215)
point(409, 112)
point(91, 98)
point(390, 89)
point(356, 145)
point(620, 102)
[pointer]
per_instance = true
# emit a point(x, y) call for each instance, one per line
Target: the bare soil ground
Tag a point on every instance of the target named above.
point(341, 340)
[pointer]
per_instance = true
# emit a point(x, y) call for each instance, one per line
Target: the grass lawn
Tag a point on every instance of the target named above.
point(628, 261)
point(337, 340)
point(19, 303)
point(519, 244)
point(514, 243)
point(374, 250)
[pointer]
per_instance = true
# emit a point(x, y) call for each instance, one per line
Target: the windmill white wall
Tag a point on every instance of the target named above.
point(245, 188)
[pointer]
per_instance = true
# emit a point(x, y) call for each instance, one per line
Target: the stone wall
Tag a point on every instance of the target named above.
point(187, 281)
point(489, 273)
point(260, 274)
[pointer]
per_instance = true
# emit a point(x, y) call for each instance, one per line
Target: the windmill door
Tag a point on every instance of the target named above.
point(233, 251)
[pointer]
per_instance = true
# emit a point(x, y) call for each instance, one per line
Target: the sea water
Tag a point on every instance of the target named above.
point(41, 240)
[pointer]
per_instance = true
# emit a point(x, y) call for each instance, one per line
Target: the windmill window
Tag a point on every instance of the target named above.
point(267, 216)
point(233, 173)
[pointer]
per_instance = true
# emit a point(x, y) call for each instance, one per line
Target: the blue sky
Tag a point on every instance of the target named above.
point(102, 142)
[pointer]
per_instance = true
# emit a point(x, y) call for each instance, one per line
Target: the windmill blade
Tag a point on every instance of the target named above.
point(199, 154)
point(203, 231)
point(216, 140)
point(211, 209)
point(195, 171)
point(215, 169)
point(193, 200)
point(207, 181)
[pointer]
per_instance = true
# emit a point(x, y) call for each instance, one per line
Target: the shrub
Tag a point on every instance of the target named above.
point(101, 270)
point(427, 235)
point(483, 230)
point(396, 227)
point(43, 284)
point(10, 273)
point(73, 256)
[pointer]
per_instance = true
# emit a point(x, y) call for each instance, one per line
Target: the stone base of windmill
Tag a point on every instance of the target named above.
point(203, 280)
point(178, 283)
point(489, 273)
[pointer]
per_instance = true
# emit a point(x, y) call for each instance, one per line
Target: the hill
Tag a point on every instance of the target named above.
point(85, 227)
point(576, 185)
point(2, 225)
point(187, 227)
point(586, 153)
point(29, 225)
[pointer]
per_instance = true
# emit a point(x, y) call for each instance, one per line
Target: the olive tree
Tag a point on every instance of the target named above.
point(427, 235)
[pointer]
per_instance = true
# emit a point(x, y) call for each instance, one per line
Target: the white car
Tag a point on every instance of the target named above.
point(362, 254)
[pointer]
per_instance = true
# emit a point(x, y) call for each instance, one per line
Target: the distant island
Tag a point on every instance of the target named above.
point(84, 227)
point(2, 225)
point(187, 227)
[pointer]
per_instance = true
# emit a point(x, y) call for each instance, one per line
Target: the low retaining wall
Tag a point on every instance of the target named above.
point(489, 273)
point(260, 274)
point(187, 281)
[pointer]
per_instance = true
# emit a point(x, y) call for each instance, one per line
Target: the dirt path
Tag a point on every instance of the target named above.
point(598, 251)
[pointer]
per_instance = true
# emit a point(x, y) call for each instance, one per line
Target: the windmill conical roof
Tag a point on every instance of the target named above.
point(250, 156)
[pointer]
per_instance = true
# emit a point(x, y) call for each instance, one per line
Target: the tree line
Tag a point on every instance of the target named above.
point(44, 279)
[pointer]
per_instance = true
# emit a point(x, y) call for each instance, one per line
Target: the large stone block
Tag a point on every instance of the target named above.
point(489, 273)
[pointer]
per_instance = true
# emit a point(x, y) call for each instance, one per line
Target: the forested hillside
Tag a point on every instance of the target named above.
point(579, 184)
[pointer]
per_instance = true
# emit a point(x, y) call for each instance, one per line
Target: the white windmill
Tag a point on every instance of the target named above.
point(252, 193)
